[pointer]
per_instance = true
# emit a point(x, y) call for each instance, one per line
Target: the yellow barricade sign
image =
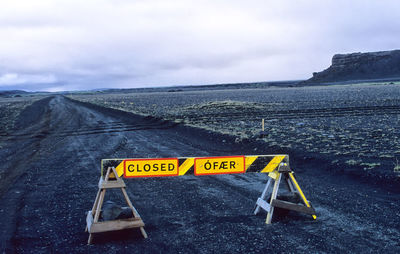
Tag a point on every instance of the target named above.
point(150, 167)
point(219, 165)
point(153, 167)
point(276, 166)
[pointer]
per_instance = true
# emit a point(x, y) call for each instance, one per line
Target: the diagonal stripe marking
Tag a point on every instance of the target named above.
point(249, 160)
point(189, 162)
point(120, 169)
point(301, 193)
point(273, 164)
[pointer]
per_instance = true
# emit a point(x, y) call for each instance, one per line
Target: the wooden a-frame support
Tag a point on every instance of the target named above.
point(93, 225)
point(287, 174)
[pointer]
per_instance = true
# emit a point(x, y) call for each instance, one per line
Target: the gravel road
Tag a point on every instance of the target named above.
point(51, 166)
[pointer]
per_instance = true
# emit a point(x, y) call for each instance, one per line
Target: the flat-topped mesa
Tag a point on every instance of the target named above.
point(360, 66)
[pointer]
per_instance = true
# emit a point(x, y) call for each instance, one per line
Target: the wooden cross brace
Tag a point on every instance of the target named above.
point(93, 225)
point(276, 176)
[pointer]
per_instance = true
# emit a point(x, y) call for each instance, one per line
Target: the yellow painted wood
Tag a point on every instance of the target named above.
point(274, 175)
point(154, 167)
point(189, 162)
point(273, 164)
point(219, 165)
point(273, 196)
point(120, 169)
point(301, 193)
point(249, 160)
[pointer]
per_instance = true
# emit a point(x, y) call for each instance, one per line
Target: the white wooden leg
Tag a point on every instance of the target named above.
point(273, 196)
point(143, 232)
point(264, 193)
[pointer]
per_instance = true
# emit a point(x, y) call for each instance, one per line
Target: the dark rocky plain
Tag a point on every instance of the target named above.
point(343, 142)
point(351, 125)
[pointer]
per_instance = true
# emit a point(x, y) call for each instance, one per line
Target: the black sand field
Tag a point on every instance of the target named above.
point(355, 127)
point(51, 164)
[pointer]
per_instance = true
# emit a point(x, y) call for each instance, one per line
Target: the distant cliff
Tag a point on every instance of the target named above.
point(12, 93)
point(360, 66)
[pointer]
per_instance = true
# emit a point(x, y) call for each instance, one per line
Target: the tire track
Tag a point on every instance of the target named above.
point(87, 131)
point(296, 114)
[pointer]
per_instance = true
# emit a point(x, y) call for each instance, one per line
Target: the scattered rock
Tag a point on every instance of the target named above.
point(112, 211)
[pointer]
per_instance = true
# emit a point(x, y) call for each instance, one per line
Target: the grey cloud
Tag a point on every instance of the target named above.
point(89, 44)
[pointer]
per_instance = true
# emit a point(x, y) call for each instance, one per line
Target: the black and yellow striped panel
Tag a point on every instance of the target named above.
point(118, 164)
point(253, 163)
point(186, 166)
point(264, 163)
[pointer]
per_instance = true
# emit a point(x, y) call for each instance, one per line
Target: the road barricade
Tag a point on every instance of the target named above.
point(277, 167)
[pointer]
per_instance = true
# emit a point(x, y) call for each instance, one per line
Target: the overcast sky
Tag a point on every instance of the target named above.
point(78, 45)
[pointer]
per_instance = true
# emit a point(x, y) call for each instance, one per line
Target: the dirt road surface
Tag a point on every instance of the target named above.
point(51, 165)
